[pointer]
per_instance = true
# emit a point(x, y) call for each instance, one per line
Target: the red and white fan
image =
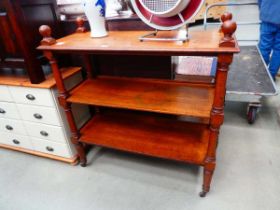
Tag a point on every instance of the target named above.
point(166, 14)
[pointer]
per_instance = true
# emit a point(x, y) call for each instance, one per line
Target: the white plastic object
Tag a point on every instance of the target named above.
point(95, 13)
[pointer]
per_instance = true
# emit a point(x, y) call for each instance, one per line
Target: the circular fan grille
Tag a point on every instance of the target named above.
point(166, 14)
point(159, 5)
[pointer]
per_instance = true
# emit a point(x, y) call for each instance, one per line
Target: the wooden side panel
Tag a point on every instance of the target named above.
point(19, 21)
point(37, 13)
point(7, 40)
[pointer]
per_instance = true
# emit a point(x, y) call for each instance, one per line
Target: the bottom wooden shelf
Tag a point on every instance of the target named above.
point(151, 134)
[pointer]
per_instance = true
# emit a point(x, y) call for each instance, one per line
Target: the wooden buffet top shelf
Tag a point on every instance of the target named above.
point(125, 42)
point(147, 95)
point(149, 134)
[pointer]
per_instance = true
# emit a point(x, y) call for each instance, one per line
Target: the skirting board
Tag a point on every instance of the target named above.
point(72, 161)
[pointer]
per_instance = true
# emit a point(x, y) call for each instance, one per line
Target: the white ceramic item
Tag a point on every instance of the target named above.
point(95, 12)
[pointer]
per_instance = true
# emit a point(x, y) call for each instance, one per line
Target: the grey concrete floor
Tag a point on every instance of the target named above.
point(247, 175)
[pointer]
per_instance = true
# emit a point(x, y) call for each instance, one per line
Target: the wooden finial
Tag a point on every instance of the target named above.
point(226, 16)
point(80, 25)
point(46, 32)
point(228, 28)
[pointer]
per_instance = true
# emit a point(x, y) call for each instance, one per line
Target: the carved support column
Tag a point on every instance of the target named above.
point(62, 93)
point(217, 112)
point(216, 120)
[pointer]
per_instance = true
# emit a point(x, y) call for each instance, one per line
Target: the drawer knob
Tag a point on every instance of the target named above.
point(38, 116)
point(2, 111)
point(16, 141)
point(50, 149)
point(44, 133)
point(8, 127)
point(30, 97)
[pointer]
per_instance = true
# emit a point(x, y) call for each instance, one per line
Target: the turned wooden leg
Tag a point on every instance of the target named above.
point(62, 98)
point(207, 178)
point(217, 112)
point(82, 154)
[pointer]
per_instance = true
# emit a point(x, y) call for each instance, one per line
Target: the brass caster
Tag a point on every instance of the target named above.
point(202, 194)
point(83, 164)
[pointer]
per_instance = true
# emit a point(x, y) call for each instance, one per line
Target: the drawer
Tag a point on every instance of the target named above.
point(33, 96)
point(47, 132)
point(39, 114)
point(12, 126)
point(51, 147)
point(5, 94)
point(9, 110)
point(16, 140)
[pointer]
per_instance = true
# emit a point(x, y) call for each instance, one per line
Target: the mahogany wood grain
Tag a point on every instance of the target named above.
point(149, 134)
point(217, 118)
point(146, 95)
point(127, 42)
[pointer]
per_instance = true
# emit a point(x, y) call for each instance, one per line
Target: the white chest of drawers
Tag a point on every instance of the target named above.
point(32, 121)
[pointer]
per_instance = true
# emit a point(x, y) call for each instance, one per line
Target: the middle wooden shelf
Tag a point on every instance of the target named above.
point(161, 96)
